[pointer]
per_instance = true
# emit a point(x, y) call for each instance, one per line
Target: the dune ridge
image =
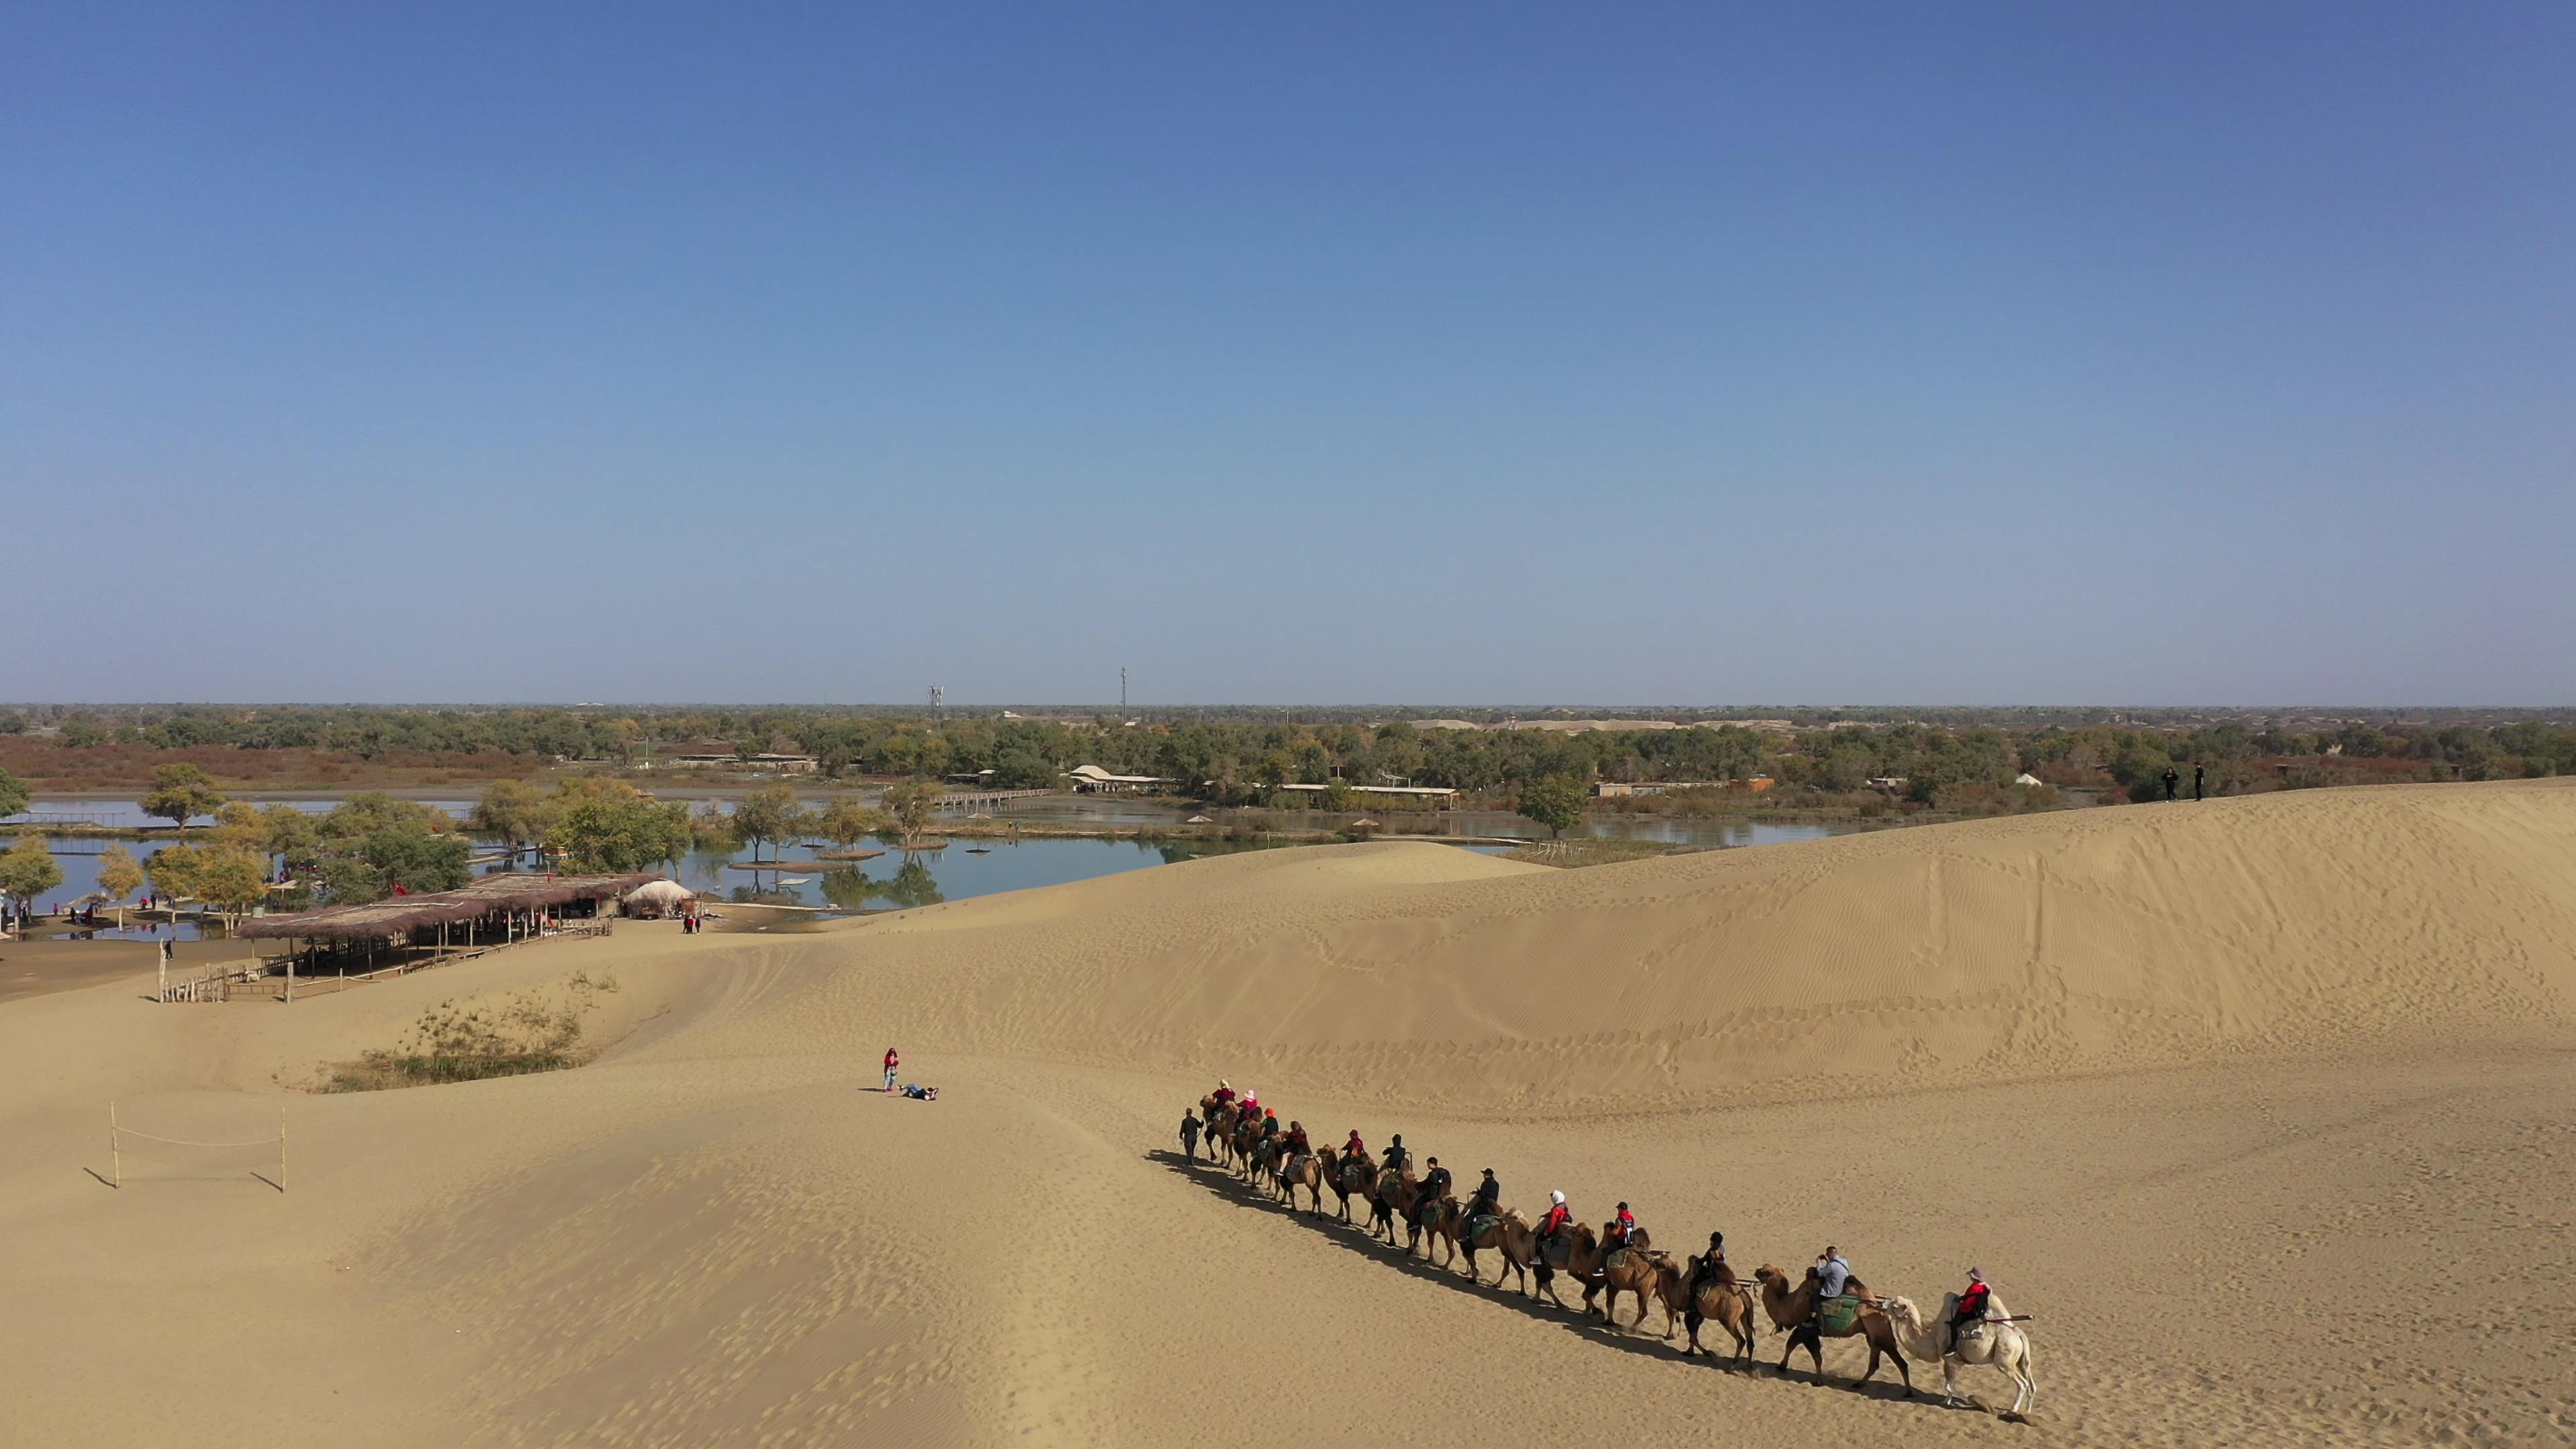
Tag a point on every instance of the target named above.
point(2013, 949)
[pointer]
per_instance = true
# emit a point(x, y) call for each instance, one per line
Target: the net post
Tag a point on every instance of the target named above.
point(115, 1168)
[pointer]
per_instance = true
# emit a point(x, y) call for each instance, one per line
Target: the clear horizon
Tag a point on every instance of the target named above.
point(1672, 353)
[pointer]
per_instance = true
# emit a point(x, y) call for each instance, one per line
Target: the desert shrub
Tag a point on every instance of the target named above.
point(452, 1043)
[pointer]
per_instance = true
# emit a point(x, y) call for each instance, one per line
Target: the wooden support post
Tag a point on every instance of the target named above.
point(281, 1149)
point(115, 1162)
point(290, 978)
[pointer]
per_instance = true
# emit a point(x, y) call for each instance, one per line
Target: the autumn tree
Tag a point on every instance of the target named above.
point(120, 877)
point(911, 807)
point(28, 870)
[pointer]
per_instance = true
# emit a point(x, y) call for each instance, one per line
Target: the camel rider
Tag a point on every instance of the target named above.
point(1831, 1274)
point(1615, 1235)
point(1396, 1156)
point(1355, 1149)
point(1296, 1141)
point(1223, 1096)
point(1252, 1105)
point(1488, 1201)
point(1435, 1184)
point(1269, 1124)
point(1972, 1306)
point(1709, 1265)
point(1558, 1214)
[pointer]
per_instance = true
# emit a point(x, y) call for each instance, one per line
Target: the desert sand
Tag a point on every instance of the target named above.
point(2264, 1108)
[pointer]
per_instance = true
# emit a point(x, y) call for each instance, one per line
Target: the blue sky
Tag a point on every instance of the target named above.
point(1682, 354)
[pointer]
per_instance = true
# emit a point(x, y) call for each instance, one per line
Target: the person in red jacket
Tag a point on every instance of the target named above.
point(892, 1062)
point(1558, 1215)
point(1972, 1306)
point(1621, 1228)
point(1223, 1096)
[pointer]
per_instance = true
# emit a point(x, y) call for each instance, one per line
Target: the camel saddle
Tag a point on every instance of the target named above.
point(1839, 1314)
point(1481, 1224)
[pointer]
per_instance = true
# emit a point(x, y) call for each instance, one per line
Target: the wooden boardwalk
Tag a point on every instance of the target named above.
point(962, 799)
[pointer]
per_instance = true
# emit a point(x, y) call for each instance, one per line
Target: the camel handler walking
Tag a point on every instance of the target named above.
point(1190, 1135)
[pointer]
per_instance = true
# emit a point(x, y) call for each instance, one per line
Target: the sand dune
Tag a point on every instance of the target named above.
point(2260, 1104)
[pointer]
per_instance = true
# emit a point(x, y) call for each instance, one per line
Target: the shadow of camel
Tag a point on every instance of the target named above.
point(1637, 1341)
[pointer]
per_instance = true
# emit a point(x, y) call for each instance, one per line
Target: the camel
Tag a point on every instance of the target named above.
point(1220, 1131)
point(1439, 1221)
point(1791, 1310)
point(1724, 1299)
point(1351, 1179)
point(1576, 1253)
point(1389, 1198)
point(1247, 1136)
point(2000, 1346)
point(1304, 1170)
point(1510, 1237)
point(1633, 1269)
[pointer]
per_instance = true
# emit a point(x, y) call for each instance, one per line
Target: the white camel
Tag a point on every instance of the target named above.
point(2002, 1346)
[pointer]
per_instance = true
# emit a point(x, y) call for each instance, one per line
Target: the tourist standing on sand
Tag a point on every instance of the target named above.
point(892, 1062)
point(2198, 774)
point(2173, 783)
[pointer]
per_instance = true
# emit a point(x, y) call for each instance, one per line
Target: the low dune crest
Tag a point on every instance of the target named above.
point(2014, 948)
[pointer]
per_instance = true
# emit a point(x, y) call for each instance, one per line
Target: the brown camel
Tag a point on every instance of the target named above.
point(1792, 1311)
point(1351, 1179)
point(1247, 1136)
point(1432, 1223)
point(1632, 1269)
point(1723, 1299)
point(1220, 1132)
point(1306, 1170)
point(1510, 1237)
point(1391, 1197)
point(1575, 1252)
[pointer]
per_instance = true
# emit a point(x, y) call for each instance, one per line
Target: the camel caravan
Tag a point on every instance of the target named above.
point(1973, 1327)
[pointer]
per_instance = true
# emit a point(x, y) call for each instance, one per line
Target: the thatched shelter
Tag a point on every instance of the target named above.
point(505, 894)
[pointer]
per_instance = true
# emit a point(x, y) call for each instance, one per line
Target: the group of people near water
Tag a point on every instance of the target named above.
point(1830, 1303)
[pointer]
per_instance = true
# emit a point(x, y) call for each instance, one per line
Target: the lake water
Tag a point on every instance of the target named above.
point(966, 868)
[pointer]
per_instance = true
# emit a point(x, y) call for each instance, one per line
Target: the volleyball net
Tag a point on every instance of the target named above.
point(134, 1155)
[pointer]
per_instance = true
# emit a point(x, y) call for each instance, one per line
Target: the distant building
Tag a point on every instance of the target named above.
point(1093, 780)
point(772, 763)
point(1440, 795)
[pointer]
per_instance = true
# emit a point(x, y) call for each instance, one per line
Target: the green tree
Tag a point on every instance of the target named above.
point(848, 822)
point(1555, 802)
point(911, 807)
point(512, 812)
point(13, 794)
point(174, 871)
point(1022, 770)
point(180, 793)
point(621, 829)
point(771, 815)
point(286, 833)
point(28, 870)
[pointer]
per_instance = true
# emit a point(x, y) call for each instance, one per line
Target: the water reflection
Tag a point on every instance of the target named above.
point(911, 885)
